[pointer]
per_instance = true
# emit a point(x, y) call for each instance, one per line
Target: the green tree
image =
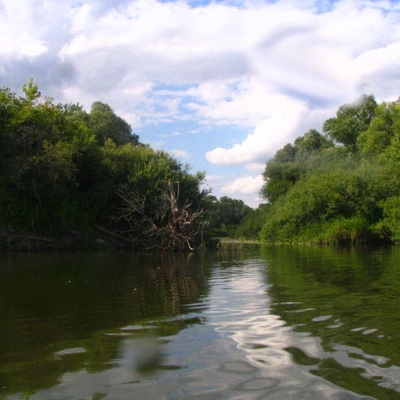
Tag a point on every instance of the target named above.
point(374, 141)
point(31, 90)
point(253, 222)
point(107, 125)
point(310, 144)
point(280, 173)
point(226, 215)
point(350, 121)
point(291, 163)
point(40, 150)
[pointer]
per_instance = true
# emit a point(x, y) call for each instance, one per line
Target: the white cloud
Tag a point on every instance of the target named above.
point(270, 135)
point(247, 184)
point(245, 188)
point(245, 102)
point(180, 154)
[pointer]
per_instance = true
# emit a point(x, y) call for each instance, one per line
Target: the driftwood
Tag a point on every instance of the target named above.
point(168, 226)
point(11, 241)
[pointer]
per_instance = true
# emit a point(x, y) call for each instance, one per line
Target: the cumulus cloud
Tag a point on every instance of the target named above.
point(247, 184)
point(246, 188)
point(275, 131)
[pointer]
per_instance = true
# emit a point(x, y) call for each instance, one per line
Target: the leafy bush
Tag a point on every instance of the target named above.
point(346, 191)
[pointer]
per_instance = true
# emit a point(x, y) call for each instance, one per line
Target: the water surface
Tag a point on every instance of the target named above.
point(262, 323)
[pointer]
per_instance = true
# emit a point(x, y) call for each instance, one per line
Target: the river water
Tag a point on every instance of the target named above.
point(260, 323)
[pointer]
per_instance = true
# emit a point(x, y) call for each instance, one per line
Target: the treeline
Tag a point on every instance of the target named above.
point(339, 186)
point(65, 172)
point(70, 177)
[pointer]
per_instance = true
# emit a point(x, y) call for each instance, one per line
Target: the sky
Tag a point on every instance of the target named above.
point(222, 85)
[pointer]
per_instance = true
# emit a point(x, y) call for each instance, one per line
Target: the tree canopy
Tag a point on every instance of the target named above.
point(226, 214)
point(350, 121)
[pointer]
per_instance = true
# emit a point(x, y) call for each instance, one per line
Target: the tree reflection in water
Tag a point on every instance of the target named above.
point(54, 303)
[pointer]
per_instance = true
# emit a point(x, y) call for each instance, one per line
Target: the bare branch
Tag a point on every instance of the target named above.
point(166, 227)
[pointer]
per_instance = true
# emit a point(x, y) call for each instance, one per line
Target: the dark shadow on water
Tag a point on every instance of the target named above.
point(62, 312)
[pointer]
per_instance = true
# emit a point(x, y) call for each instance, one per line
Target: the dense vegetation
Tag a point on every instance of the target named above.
point(70, 178)
point(70, 173)
point(340, 186)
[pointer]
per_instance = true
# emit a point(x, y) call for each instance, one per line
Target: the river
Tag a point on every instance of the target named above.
point(257, 323)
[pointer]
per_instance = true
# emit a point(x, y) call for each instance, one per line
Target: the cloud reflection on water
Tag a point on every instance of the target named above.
point(240, 311)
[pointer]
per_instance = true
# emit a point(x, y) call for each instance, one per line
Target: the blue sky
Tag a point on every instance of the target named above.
point(222, 85)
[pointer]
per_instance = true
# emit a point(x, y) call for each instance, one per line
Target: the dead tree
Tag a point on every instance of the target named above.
point(166, 226)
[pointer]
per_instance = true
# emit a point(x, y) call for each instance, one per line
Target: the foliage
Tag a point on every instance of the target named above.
point(385, 125)
point(62, 169)
point(107, 125)
point(252, 222)
point(343, 187)
point(292, 162)
point(390, 223)
point(225, 215)
point(350, 121)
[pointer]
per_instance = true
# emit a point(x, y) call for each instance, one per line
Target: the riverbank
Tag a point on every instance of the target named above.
point(95, 239)
point(236, 244)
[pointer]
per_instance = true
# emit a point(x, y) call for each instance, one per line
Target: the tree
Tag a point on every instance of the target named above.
point(31, 90)
point(310, 143)
point(41, 147)
point(280, 173)
point(383, 128)
point(252, 224)
point(350, 121)
point(291, 163)
point(107, 125)
point(226, 214)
